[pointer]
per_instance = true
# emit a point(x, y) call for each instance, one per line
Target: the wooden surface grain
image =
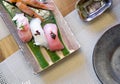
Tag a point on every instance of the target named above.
point(8, 45)
point(65, 6)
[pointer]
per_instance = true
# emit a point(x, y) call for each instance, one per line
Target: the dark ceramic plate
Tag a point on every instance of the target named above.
point(106, 56)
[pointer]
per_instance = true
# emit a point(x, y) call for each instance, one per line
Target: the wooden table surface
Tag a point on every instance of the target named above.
point(65, 6)
point(8, 45)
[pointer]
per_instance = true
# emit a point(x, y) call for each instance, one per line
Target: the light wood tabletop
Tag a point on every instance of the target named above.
point(8, 45)
point(65, 6)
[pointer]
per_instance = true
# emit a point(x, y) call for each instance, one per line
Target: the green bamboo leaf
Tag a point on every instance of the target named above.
point(38, 54)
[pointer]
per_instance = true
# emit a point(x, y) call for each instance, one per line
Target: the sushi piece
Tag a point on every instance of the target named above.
point(23, 27)
point(38, 33)
point(51, 32)
point(34, 3)
point(25, 6)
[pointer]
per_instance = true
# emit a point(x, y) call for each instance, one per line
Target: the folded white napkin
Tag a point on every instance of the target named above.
point(16, 70)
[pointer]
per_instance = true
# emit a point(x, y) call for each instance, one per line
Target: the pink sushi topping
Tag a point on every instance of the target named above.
point(51, 33)
point(23, 27)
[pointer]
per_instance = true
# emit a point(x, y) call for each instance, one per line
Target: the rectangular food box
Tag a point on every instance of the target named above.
point(38, 57)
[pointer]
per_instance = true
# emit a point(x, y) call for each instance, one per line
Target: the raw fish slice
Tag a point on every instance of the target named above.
point(51, 33)
point(38, 33)
point(23, 27)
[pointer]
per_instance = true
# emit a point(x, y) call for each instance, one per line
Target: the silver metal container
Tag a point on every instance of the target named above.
point(90, 9)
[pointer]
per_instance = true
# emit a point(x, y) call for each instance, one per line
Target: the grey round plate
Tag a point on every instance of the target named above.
point(106, 56)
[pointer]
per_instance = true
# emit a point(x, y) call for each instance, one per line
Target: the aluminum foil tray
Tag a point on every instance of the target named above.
point(90, 9)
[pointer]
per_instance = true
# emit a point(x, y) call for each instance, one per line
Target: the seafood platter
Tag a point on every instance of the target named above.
point(90, 9)
point(40, 31)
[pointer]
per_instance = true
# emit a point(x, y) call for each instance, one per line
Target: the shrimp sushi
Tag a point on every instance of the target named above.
point(38, 33)
point(25, 6)
point(51, 32)
point(23, 27)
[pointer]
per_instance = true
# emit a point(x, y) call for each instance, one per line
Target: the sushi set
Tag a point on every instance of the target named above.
point(90, 9)
point(39, 30)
